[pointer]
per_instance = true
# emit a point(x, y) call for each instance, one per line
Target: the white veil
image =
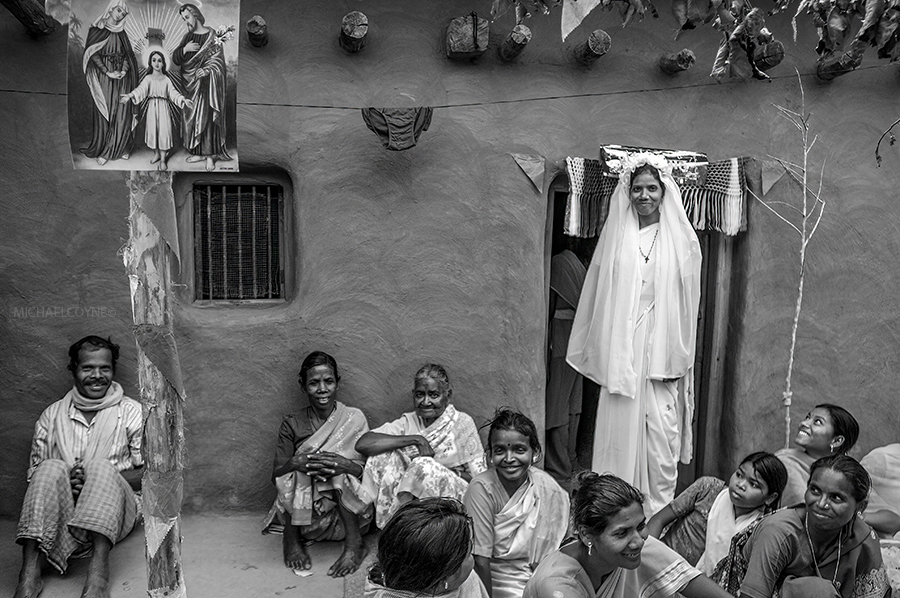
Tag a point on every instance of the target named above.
point(602, 346)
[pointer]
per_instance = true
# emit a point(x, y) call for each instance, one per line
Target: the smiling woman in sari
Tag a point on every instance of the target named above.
point(822, 548)
point(612, 555)
point(317, 472)
point(825, 431)
point(432, 451)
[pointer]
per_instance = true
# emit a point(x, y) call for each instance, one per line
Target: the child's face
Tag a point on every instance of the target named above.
point(156, 61)
point(511, 455)
point(746, 489)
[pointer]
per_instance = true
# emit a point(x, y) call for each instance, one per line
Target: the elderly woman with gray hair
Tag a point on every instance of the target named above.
point(433, 450)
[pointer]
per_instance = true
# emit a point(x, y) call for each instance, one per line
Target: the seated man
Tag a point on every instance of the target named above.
point(85, 467)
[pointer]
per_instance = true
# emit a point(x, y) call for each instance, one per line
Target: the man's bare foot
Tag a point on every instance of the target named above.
point(126, 155)
point(155, 158)
point(101, 161)
point(30, 584)
point(192, 158)
point(96, 589)
point(295, 555)
point(210, 164)
point(349, 561)
point(29, 588)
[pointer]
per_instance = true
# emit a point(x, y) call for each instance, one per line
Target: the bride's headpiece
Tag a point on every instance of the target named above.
point(631, 161)
point(686, 168)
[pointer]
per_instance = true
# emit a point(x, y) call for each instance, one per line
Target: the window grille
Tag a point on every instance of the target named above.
point(237, 241)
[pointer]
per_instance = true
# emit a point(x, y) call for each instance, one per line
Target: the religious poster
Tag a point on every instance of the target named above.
point(152, 84)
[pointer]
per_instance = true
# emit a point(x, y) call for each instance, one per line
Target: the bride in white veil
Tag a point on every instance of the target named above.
point(635, 329)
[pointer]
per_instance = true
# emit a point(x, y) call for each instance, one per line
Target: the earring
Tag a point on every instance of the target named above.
point(446, 586)
point(590, 546)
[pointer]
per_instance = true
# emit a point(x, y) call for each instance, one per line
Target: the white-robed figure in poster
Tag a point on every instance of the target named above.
point(635, 330)
point(160, 103)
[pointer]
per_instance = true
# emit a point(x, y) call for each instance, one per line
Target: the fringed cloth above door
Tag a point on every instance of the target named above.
point(719, 204)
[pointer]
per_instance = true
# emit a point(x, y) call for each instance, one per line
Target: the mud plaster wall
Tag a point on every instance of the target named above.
point(438, 253)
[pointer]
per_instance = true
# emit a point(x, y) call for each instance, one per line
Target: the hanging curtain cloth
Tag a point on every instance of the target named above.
point(589, 193)
point(714, 193)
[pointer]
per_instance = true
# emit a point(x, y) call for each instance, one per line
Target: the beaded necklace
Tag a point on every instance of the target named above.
point(812, 549)
point(649, 251)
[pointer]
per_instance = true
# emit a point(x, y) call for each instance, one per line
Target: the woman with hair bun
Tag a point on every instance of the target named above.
point(519, 512)
point(612, 555)
point(317, 473)
point(425, 549)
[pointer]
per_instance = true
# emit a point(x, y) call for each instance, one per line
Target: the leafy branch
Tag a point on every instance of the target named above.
point(809, 213)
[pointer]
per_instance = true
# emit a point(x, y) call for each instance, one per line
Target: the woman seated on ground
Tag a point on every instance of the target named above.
point(317, 473)
point(519, 512)
point(432, 451)
point(425, 549)
point(822, 548)
point(613, 557)
point(825, 431)
point(702, 520)
point(883, 510)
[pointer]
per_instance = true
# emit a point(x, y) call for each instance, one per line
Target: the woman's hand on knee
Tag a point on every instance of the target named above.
point(329, 465)
point(424, 448)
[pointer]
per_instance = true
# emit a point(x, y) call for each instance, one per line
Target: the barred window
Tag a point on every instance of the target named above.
point(238, 241)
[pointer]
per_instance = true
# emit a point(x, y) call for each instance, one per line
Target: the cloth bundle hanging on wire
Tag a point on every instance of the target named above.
point(398, 128)
point(714, 193)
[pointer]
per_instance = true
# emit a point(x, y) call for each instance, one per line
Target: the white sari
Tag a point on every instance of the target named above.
point(527, 528)
point(455, 441)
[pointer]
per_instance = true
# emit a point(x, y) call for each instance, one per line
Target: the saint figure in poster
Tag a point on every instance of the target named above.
point(110, 69)
point(202, 63)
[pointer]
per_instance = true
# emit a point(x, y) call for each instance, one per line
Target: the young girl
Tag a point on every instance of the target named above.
point(708, 513)
point(160, 93)
point(520, 513)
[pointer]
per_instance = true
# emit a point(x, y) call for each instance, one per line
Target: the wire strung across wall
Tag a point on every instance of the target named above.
point(493, 102)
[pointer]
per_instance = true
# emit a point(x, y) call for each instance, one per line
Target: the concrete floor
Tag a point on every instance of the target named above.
point(223, 556)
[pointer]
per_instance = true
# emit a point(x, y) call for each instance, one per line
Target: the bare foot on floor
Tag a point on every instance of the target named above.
point(349, 561)
point(295, 555)
point(29, 588)
point(96, 589)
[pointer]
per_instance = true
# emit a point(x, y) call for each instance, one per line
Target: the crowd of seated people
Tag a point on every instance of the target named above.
point(526, 536)
point(458, 519)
